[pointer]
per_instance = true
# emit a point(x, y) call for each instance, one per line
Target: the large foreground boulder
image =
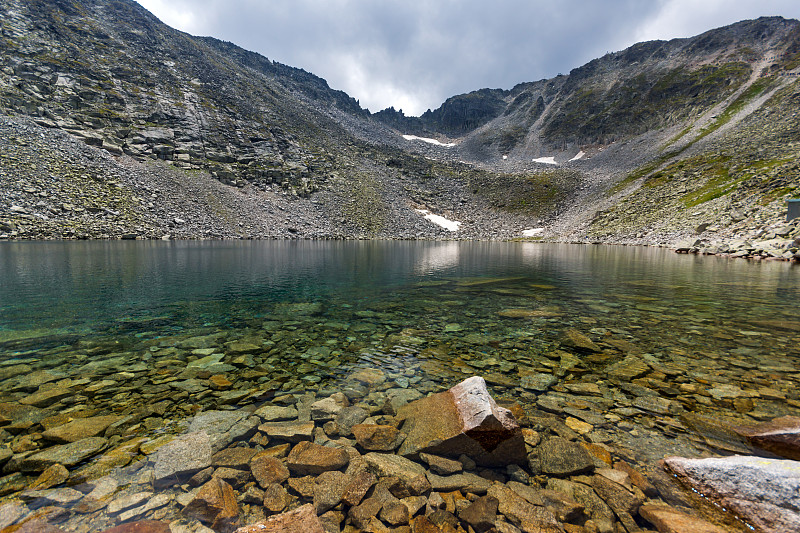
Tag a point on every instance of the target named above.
point(463, 420)
point(763, 492)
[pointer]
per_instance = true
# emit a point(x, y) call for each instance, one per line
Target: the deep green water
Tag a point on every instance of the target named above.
point(717, 336)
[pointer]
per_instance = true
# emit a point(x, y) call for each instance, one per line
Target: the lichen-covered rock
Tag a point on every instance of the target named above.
point(764, 492)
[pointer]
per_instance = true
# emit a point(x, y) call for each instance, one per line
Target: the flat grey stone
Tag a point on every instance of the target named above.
point(180, 458)
point(224, 427)
point(272, 413)
point(66, 454)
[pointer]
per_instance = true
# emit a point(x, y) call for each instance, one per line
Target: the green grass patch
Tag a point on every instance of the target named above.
point(736, 106)
point(677, 138)
point(657, 179)
point(792, 63)
point(719, 182)
point(642, 171)
point(769, 164)
point(365, 209)
point(778, 193)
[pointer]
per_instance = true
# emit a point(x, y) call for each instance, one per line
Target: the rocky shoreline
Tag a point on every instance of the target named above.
point(331, 465)
point(452, 461)
point(58, 188)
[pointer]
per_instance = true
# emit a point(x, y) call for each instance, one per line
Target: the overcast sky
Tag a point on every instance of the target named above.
point(413, 54)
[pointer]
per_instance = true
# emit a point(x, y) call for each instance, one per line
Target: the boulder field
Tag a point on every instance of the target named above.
point(453, 461)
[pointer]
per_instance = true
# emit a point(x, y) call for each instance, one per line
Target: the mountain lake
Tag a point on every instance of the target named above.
point(640, 350)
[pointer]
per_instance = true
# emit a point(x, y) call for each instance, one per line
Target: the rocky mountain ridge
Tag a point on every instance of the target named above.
point(266, 150)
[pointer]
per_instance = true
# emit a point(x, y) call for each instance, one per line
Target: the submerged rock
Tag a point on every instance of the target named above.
point(80, 428)
point(308, 458)
point(181, 458)
point(374, 437)
point(560, 457)
point(464, 420)
point(215, 504)
point(301, 519)
point(66, 454)
point(578, 341)
point(780, 436)
point(224, 427)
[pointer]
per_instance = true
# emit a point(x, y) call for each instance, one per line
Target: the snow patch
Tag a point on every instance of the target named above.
point(428, 140)
point(579, 155)
point(449, 225)
point(546, 160)
point(533, 232)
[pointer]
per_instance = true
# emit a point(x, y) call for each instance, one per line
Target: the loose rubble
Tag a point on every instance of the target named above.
point(254, 479)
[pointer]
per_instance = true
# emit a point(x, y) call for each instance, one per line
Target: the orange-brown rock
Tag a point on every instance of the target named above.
point(215, 504)
point(463, 420)
point(219, 382)
point(312, 459)
point(301, 519)
point(374, 437)
point(780, 436)
point(267, 469)
point(669, 520)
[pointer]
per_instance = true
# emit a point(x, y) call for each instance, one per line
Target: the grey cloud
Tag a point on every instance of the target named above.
point(413, 55)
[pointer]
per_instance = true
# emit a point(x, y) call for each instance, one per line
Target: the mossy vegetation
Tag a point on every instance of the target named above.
point(363, 206)
point(647, 170)
point(510, 137)
point(736, 106)
point(643, 102)
point(534, 194)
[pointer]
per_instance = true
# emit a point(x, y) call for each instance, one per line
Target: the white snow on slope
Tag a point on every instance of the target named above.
point(546, 160)
point(579, 155)
point(427, 140)
point(532, 232)
point(449, 225)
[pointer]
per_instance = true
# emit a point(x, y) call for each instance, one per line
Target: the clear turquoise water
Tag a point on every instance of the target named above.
point(427, 314)
point(91, 287)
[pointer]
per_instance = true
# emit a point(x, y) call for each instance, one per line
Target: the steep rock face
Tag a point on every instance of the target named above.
point(112, 74)
point(644, 87)
point(652, 142)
